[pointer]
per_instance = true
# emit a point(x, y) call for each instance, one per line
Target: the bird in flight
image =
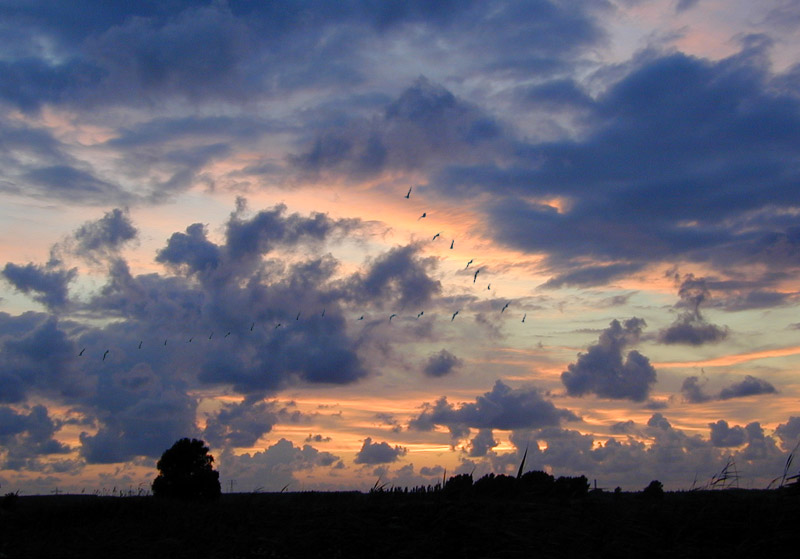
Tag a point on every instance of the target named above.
point(252, 326)
point(81, 353)
point(140, 344)
point(277, 326)
point(489, 286)
point(361, 317)
point(297, 317)
point(323, 313)
point(105, 354)
point(452, 243)
point(475, 277)
point(436, 235)
point(165, 341)
point(420, 313)
point(228, 334)
point(392, 316)
point(504, 308)
point(211, 335)
point(523, 317)
point(468, 263)
point(424, 214)
point(454, 316)
point(408, 194)
point(190, 340)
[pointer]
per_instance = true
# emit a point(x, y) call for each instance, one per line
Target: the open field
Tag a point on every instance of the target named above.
point(729, 523)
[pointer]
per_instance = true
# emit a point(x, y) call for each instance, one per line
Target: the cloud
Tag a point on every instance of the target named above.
point(750, 386)
point(274, 468)
point(104, 236)
point(378, 453)
point(482, 443)
point(25, 437)
point(441, 364)
point(694, 393)
point(724, 436)
point(47, 285)
point(789, 433)
point(601, 370)
point(690, 327)
point(502, 408)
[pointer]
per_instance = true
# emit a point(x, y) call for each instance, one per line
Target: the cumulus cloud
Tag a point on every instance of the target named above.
point(690, 327)
point(750, 386)
point(501, 408)
point(47, 285)
point(724, 436)
point(378, 453)
point(25, 437)
point(693, 390)
point(601, 369)
point(441, 364)
point(106, 235)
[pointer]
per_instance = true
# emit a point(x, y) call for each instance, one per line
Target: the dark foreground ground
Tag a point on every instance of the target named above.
point(731, 523)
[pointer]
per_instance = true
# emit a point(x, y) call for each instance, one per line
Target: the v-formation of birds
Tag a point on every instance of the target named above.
point(322, 314)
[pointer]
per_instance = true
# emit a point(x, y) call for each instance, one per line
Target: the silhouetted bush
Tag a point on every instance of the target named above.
point(496, 485)
point(186, 472)
point(536, 483)
point(654, 491)
point(571, 487)
point(458, 485)
point(9, 501)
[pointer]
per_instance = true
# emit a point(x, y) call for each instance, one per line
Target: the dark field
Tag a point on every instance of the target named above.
point(729, 523)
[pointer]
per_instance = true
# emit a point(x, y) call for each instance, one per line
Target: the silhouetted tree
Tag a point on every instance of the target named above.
point(571, 486)
point(458, 485)
point(186, 472)
point(537, 483)
point(654, 491)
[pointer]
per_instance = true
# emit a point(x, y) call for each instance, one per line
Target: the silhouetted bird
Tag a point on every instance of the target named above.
point(105, 354)
point(165, 341)
point(523, 317)
point(436, 235)
point(297, 317)
point(361, 317)
point(190, 340)
point(252, 326)
point(454, 316)
point(489, 286)
point(408, 194)
point(81, 353)
point(468, 263)
point(504, 308)
point(323, 313)
point(228, 334)
point(475, 277)
point(278, 325)
point(392, 316)
point(211, 335)
point(420, 313)
point(424, 214)
point(140, 345)
point(452, 243)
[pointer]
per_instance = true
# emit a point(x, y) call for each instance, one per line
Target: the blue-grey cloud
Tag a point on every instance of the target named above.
point(378, 453)
point(750, 386)
point(724, 436)
point(441, 364)
point(25, 437)
point(601, 370)
point(691, 327)
point(482, 443)
point(501, 408)
point(47, 285)
point(693, 390)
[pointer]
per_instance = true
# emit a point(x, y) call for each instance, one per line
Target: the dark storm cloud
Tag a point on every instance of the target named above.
point(48, 286)
point(724, 436)
point(690, 327)
point(688, 156)
point(750, 386)
point(502, 408)
point(206, 50)
point(378, 453)
point(601, 370)
point(591, 276)
point(441, 364)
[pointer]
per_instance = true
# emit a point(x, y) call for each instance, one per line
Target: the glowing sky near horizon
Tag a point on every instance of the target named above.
point(224, 184)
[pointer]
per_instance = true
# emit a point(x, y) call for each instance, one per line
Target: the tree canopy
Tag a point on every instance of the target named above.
point(186, 472)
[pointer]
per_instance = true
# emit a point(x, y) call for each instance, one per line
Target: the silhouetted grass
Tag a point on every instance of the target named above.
point(386, 524)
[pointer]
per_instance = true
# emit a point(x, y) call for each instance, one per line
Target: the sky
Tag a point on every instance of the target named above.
point(355, 242)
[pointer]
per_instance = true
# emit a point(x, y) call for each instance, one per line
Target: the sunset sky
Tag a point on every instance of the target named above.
point(352, 241)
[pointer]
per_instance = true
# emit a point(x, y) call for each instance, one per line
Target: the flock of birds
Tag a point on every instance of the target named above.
point(322, 314)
